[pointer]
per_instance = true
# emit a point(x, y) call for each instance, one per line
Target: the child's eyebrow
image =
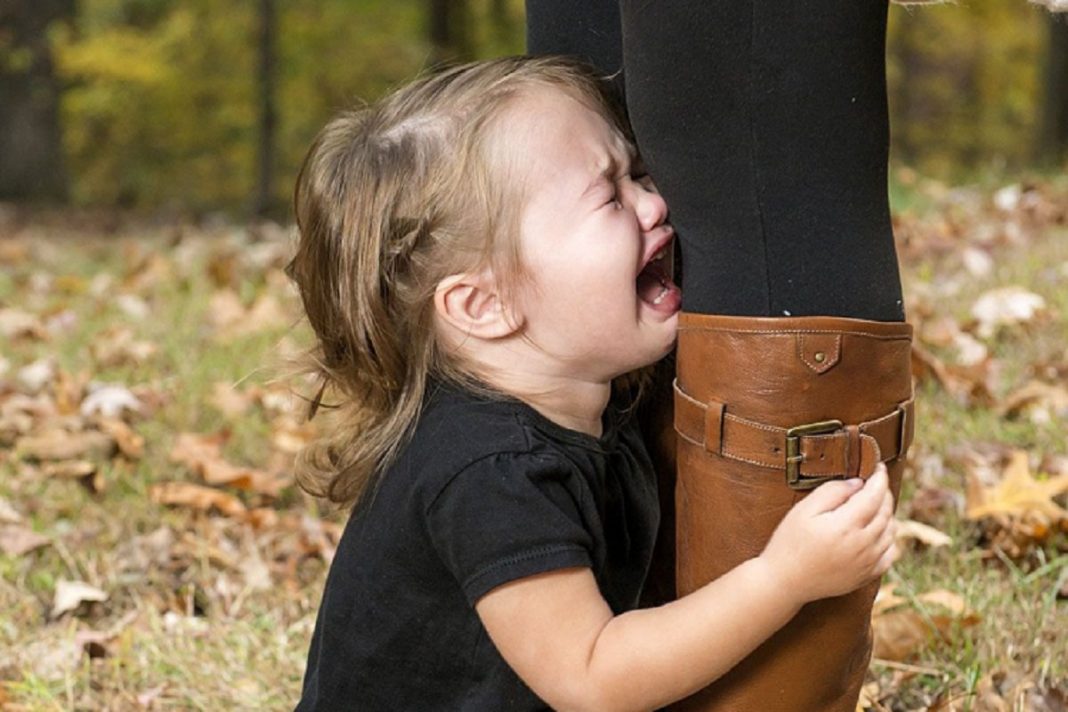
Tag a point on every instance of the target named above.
point(610, 167)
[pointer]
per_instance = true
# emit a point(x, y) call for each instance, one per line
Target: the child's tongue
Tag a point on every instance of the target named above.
point(652, 282)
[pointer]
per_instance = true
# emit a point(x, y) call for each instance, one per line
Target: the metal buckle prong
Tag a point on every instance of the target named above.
point(794, 457)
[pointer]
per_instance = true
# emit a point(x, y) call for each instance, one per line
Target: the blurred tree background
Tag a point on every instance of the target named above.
point(206, 105)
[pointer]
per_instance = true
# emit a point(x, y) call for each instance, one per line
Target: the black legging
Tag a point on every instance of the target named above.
point(764, 124)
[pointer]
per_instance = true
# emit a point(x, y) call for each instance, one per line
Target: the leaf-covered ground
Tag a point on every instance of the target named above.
point(156, 554)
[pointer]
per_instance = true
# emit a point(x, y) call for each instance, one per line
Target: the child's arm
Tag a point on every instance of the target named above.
point(559, 635)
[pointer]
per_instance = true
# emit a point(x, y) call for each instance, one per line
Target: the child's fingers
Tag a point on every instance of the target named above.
point(884, 516)
point(831, 495)
point(886, 560)
point(861, 508)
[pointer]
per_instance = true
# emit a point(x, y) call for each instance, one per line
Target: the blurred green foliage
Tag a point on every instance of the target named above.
point(160, 100)
point(965, 84)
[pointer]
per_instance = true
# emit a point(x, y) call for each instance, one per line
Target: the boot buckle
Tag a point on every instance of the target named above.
point(794, 479)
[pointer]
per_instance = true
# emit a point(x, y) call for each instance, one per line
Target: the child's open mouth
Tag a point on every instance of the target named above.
point(654, 284)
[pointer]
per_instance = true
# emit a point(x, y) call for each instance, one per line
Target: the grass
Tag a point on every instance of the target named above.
point(185, 626)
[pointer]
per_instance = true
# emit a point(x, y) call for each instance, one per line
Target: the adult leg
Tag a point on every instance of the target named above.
point(587, 29)
point(765, 126)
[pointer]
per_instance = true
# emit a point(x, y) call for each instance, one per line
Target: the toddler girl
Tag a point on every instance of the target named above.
point(483, 261)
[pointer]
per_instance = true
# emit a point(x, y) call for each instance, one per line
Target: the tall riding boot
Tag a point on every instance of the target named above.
point(765, 410)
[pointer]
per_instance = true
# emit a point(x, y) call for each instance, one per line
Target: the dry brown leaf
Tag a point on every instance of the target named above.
point(1018, 493)
point(13, 252)
point(887, 599)
point(965, 383)
point(109, 400)
point(290, 437)
point(925, 534)
point(186, 494)
point(952, 602)
point(8, 514)
point(130, 444)
point(71, 594)
point(1041, 402)
point(228, 400)
point(225, 309)
point(51, 657)
point(203, 455)
point(1005, 306)
point(35, 376)
point(17, 324)
point(17, 540)
point(146, 271)
point(230, 317)
point(82, 470)
point(899, 634)
point(929, 504)
point(63, 445)
point(117, 346)
point(148, 698)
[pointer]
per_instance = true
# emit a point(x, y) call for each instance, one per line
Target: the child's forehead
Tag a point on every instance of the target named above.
point(557, 115)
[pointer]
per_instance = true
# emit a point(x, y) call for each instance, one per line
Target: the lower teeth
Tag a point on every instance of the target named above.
point(660, 297)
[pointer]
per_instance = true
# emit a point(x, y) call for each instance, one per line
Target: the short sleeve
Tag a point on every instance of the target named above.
point(509, 516)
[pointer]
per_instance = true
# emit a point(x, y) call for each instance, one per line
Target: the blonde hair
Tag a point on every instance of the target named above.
point(390, 200)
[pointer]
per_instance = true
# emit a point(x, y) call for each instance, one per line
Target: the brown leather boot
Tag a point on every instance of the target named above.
point(765, 410)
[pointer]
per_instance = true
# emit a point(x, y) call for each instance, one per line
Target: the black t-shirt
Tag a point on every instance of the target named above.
point(487, 491)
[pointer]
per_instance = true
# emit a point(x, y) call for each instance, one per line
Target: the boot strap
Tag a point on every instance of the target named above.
point(810, 453)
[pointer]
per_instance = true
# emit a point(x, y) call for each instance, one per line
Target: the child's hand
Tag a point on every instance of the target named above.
point(835, 540)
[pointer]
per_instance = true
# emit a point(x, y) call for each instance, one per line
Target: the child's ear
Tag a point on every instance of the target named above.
point(472, 304)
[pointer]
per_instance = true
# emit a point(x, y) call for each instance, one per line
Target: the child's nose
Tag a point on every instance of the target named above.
point(651, 208)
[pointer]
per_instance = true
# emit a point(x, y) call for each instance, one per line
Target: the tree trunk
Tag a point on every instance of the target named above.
point(31, 153)
point(1052, 144)
point(450, 31)
point(263, 200)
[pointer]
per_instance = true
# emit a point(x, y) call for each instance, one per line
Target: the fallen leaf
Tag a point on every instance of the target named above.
point(230, 318)
point(978, 262)
point(109, 401)
point(930, 504)
point(952, 602)
point(130, 444)
point(51, 657)
point(17, 540)
point(1005, 306)
point(133, 306)
point(923, 533)
point(8, 514)
point(898, 635)
point(71, 594)
point(198, 497)
point(117, 346)
point(63, 445)
point(228, 400)
point(1041, 402)
point(290, 437)
point(1018, 493)
point(34, 377)
point(255, 571)
point(69, 469)
point(85, 472)
point(887, 599)
point(965, 383)
point(203, 455)
point(149, 696)
point(17, 324)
